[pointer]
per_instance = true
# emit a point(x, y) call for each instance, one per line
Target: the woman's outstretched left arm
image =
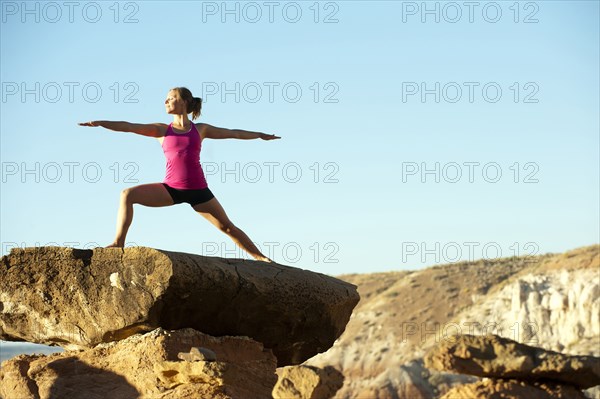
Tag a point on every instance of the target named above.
point(213, 132)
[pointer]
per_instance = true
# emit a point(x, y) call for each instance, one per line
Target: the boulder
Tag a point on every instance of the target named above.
point(307, 382)
point(145, 366)
point(512, 389)
point(79, 298)
point(494, 356)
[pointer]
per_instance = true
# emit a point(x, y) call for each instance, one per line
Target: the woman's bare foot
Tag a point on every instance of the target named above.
point(114, 245)
point(264, 259)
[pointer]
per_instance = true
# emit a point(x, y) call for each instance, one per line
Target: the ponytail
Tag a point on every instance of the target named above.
point(194, 107)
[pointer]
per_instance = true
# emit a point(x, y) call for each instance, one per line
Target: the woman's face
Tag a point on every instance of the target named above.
point(174, 104)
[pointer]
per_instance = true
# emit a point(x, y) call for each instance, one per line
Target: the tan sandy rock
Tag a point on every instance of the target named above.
point(494, 356)
point(145, 366)
point(306, 382)
point(512, 389)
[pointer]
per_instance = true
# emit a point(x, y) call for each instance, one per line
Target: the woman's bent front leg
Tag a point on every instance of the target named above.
point(153, 194)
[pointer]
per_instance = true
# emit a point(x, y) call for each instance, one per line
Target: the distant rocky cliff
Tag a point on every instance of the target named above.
point(550, 301)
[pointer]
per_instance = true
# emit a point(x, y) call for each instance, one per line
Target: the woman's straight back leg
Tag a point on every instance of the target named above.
point(212, 211)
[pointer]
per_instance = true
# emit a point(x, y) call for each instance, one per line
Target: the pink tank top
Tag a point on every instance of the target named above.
point(182, 151)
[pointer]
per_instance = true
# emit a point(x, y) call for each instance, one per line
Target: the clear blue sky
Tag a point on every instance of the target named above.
point(346, 194)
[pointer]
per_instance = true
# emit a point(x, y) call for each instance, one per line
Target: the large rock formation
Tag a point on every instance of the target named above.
point(146, 366)
point(80, 298)
point(549, 301)
point(516, 370)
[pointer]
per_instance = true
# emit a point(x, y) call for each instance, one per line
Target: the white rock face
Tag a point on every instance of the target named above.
point(557, 311)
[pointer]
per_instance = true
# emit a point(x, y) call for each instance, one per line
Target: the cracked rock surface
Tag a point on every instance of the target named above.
point(78, 298)
point(498, 357)
point(513, 370)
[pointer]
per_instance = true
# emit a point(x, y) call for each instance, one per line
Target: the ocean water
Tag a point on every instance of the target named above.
point(9, 350)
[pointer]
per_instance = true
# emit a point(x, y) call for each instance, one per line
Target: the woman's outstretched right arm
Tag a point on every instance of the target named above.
point(150, 130)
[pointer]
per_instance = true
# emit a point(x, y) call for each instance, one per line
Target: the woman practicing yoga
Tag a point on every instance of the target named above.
point(181, 141)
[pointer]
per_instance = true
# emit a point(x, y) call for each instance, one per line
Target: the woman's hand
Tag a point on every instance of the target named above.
point(92, 123)
point(265, 136)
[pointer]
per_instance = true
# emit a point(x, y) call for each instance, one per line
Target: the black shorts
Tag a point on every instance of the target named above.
point(192, 197)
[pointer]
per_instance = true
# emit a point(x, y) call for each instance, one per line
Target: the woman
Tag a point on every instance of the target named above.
point(184, 181)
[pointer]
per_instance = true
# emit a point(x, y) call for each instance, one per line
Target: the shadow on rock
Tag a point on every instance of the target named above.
point(75, 379)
